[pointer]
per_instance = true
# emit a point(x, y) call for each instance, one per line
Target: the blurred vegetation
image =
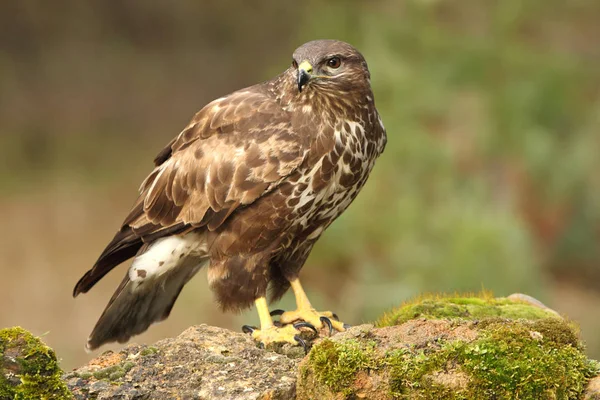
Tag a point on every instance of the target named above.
point(490, 175)
point(489, 178)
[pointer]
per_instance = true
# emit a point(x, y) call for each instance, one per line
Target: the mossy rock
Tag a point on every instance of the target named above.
point(475, 307)
point(28, 368)
point(456, 348)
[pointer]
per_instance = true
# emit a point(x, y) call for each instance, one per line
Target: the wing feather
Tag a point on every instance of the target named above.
point(233, 151)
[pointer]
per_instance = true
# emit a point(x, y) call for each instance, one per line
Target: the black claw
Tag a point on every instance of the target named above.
point(276, 312)
point(327, 322)
point(261, 345)
point(302, 343)
point(304, 324)
point(334, 315)
point(346, 326)
point(248, 329)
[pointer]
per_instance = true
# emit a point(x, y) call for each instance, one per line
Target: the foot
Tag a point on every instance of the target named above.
point(277, 334)
point(313, 317)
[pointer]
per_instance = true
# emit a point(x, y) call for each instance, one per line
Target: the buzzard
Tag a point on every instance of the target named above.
point(245, 191)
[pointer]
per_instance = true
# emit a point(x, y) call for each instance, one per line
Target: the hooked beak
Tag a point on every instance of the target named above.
point(304, 74)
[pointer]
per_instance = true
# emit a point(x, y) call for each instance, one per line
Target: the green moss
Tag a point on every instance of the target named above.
point(520, 352)
point(558, 331)
point(509, 360)
point(84, 375)
point(336, 364)
point(29, 369)
point(150, 350)
point(114, 372)
point(457, 307)
point(128, 365)
point(411, 374)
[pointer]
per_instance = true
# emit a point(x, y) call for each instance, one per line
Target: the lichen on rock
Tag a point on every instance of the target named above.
point(28, 368)
point(203, 362)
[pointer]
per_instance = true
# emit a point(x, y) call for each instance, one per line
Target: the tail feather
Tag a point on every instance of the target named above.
point(127, 243)
point(136, 305)
point(124, 245)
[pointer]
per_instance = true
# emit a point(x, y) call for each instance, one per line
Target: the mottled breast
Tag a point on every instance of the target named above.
point(331, 184)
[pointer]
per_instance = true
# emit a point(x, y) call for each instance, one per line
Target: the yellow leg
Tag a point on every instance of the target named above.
point(263, 313)
point(306, 312)
point(268, 332)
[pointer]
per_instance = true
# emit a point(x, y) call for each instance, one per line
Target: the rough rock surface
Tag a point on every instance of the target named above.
point(592, 391)
point(204, 362)
point(417, 359)
point(431, 348)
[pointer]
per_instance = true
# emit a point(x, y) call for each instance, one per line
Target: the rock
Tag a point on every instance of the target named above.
point(452, 348)
point(444, 359)
point(28, 368)
point(430, 348)
point(592, 391)
point(204, 362)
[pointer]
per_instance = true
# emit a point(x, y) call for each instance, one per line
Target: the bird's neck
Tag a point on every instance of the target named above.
point(320, 99)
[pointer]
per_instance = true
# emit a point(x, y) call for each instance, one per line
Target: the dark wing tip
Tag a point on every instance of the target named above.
point(80, 286)
point(124, 245)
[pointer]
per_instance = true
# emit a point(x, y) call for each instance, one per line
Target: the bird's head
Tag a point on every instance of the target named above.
point(329, 67)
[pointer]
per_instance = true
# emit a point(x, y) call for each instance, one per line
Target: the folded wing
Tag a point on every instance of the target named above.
point(234, 150)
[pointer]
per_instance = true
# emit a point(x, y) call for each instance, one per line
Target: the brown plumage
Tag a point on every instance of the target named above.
point(246, 189)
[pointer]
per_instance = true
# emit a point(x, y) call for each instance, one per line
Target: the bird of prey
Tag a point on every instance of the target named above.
point(245, 191)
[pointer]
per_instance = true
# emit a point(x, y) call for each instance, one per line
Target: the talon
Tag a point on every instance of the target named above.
point(248, 329)
point(304, 324)
point(274, 334)
point(313, 317)
point(327, 322)
point(334, 316)
point(347, 326)
point(302, 343)
point(261, 345)
point(276, 312)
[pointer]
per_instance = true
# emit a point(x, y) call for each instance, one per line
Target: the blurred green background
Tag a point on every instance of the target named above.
point(490, 178)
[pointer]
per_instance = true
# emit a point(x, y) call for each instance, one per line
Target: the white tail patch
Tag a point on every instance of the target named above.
point(166, 254)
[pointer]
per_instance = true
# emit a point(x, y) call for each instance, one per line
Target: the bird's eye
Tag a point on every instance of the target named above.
point(334, 62)
point(294, 64)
